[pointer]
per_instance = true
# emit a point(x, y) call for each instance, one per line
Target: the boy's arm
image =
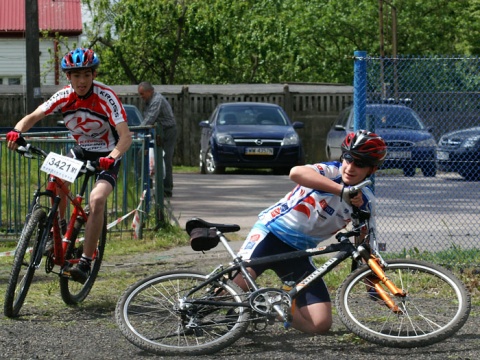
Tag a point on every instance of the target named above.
point(27, 122)
point(124, 141)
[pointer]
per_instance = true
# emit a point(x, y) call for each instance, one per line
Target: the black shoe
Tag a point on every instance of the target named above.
point(80, 272)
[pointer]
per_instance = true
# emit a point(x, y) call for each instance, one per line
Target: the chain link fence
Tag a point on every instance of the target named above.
point(428, 111)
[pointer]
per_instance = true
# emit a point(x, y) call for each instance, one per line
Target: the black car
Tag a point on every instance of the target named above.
point(410, 143)
point(459, 151)
point(249, 135)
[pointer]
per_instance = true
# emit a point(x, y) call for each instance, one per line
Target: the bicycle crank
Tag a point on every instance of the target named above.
point(264, 300)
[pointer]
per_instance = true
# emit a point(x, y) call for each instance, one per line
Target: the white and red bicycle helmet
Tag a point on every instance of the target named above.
point(365, 148)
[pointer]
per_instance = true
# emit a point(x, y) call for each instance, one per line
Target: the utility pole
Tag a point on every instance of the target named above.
point(32, 53)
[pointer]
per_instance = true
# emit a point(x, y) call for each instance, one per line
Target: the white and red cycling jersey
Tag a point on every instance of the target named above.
point(91, 119)
point(304, 217)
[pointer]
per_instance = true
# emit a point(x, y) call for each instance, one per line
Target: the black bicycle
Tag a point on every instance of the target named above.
point(399, 303)
point(42, 238)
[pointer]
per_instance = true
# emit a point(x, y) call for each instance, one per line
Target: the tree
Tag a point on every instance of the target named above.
point(265, 41)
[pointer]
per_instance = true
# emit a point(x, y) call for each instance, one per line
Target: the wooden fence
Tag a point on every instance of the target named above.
point(317, 105)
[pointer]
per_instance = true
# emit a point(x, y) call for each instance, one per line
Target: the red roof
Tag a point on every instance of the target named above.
point(63, 16)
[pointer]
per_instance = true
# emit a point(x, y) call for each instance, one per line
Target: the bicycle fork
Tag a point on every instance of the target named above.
point(380, 278)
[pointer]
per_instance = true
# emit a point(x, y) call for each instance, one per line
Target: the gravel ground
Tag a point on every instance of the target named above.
point(90, 332)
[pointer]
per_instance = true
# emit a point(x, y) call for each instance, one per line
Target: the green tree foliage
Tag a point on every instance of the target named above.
point(267, 41)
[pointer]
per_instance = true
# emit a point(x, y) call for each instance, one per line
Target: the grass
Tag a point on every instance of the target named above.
point(116, 275)
point(110, 284)
point(44, 295)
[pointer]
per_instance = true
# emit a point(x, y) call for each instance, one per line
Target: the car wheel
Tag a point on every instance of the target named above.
point(429, 170)
point(282, 170)
point(210, 167)
point(409, 170)
point(203, 167)
point(329, 154)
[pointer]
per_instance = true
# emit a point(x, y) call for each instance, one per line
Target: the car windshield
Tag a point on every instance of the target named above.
point(133, 116)
point(394, 118)
point(251, 115)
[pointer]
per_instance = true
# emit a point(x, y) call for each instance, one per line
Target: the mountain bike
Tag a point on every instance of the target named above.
point(397, 303)
point(42, 236)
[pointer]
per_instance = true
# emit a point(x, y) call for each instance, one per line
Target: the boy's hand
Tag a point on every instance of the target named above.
point(106, 163)
point(14, 139)
point(351, 199)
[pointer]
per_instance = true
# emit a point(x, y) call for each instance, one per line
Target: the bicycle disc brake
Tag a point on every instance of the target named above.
point(264, 300)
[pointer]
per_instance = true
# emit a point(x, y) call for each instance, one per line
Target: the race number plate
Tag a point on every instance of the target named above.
point(399, 155)
point(259, 151)
point(61, 166)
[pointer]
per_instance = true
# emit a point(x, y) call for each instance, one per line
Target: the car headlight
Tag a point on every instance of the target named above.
point(430, 142)
point(291, 139)
point(224, 139)
point(471, 141)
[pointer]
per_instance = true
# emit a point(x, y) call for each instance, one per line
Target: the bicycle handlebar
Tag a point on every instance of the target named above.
point(30, 150)
point(353, 190)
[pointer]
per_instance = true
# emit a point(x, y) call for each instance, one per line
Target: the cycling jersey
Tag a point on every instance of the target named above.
point(91, 119)
point(305, 217)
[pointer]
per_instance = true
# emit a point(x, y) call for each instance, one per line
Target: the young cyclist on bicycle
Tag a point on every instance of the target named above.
point(317, 208)
point(98, 122)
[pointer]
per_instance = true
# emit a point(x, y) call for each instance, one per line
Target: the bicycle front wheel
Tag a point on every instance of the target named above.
point(24, 265)
point(435, 307)
point(74, 292)
point(160, 315)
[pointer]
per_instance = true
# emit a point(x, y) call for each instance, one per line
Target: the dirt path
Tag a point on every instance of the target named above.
point(90, 331)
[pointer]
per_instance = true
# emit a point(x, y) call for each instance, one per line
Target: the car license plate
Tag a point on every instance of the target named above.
point(442, 155)
point(259, 151)
point(399, 154)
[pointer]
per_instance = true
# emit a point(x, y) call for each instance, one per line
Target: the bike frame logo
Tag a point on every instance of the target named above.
point(317, 272)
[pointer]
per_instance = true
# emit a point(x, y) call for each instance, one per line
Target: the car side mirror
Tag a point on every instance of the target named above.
point(298, 125)
point(204, 124)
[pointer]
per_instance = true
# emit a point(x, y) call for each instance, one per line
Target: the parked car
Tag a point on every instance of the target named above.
point(410, 143)
point(459, 151)
point(249, 135)
point(134, 116)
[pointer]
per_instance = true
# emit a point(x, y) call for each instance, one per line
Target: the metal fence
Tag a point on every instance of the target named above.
point(430, 211)
point(21, 176)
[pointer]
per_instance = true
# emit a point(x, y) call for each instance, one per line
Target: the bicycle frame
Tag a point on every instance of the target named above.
point(54, 187)
point(344, 249)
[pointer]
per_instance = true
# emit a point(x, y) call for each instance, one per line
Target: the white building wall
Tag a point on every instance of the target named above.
point(13, 61)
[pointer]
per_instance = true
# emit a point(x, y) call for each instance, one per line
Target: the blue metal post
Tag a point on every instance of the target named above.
point(360, 95)
point(360, 90)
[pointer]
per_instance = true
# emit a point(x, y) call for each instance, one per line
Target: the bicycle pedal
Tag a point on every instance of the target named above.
point(65, 272)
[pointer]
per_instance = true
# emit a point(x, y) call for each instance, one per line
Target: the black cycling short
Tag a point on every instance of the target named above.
point(291, 270)
point(77, 152)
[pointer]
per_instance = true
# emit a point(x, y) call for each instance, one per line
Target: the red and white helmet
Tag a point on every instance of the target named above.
point(366, 148)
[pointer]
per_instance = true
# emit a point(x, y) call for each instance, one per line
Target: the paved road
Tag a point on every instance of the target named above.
point(426, 213)
point(226, 198)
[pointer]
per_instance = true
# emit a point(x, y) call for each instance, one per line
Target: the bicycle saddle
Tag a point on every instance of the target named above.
point(199, 223)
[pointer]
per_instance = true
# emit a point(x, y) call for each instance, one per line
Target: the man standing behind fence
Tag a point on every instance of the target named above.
point(158, 109)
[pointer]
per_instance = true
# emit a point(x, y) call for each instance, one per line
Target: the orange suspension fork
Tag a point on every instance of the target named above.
point(381, 277)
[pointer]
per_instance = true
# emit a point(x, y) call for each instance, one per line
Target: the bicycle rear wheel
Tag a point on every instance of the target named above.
point(24, 265)
point(74, 292)
point(436, 306)
point(156, 315)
